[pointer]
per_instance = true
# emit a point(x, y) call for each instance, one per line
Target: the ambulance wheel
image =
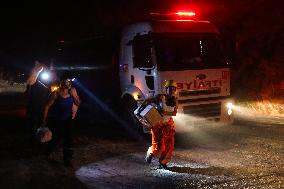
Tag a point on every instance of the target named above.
point(129, 105)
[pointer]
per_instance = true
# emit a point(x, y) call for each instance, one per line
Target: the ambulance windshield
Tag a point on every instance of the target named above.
point(183, 51)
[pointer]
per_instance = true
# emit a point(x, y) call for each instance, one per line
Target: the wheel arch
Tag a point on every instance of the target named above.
point(133, 92)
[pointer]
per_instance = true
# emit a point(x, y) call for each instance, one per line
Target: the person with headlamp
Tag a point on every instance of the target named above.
point(58, 110)
point(37, 93)
point(163, 132)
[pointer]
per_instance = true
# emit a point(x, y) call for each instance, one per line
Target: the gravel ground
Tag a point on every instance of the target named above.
point(244, 155)
point(236, 156)
point(252, 156)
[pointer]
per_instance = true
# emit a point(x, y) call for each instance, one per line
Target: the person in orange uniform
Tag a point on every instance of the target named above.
point(163, 133)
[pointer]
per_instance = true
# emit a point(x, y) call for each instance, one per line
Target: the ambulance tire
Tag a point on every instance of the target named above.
point(129, 105)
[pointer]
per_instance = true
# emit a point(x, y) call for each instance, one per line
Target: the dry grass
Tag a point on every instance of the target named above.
point(270, 112)
point(266, 108)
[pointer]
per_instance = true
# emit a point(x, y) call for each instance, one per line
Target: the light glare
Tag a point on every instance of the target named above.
point(45, 76)
point(265, 112)
point(230, 111)
point(136, 96)
point(185, 13)
point(230, 105)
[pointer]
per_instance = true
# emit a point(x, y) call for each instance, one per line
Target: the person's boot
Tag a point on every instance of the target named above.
point(149, 158)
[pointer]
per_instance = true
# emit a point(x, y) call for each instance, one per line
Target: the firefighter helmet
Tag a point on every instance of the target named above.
point(170, 83)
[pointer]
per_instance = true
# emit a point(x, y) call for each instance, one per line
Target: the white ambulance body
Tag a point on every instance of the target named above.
point(186, 51)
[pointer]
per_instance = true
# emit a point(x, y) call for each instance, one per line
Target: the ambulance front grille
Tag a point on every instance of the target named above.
point(203, 110)
point(184, 93)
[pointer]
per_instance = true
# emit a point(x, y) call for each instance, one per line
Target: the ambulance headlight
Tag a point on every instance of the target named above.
point(230, 111)
point(230, 107)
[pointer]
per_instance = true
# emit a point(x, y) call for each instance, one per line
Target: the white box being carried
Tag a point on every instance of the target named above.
point(149, 116)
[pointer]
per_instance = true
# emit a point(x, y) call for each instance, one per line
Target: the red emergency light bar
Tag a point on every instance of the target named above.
point(178, 16)
point(185, 13)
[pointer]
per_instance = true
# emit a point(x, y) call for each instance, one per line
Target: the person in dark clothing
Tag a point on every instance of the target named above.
point(37, 95)
point(59, 112)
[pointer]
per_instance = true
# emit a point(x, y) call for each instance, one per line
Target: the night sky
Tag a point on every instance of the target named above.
point(31, 31)
point(34, 30)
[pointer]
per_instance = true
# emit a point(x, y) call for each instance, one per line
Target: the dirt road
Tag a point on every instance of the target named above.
point(238, 156)
point(243, 155)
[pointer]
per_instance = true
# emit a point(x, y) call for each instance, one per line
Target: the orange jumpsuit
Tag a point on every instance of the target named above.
point(163, 140)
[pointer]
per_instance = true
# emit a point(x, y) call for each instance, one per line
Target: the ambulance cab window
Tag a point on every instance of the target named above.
point(142, 51)
point(182, 51)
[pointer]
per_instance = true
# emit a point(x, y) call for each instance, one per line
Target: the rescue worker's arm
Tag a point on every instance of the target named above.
point(174, 113)
point(169, 112)
point(75, 96)
point(49, 103)
point(176, 108)
point(34, 73)
point(148, 101)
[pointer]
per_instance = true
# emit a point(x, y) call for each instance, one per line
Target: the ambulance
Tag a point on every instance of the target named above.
point(176, 46)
